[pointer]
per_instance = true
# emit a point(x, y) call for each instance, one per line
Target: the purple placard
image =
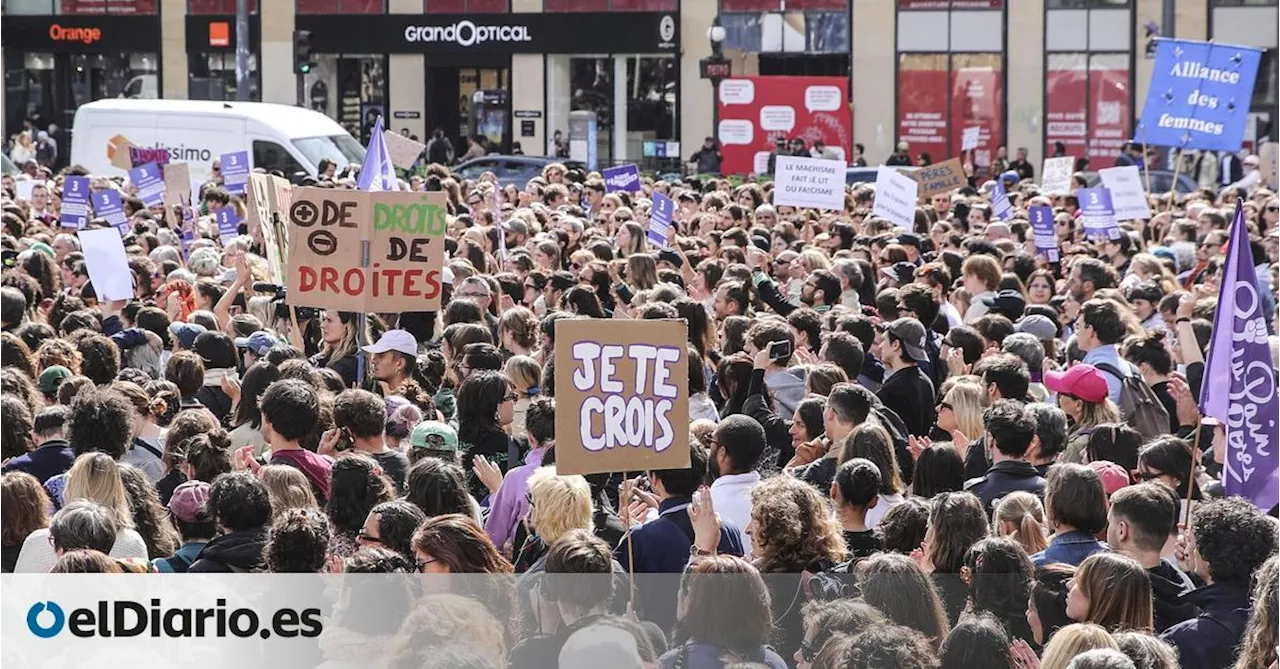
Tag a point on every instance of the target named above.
point(228, 223)
point(235, 171)
point(108, 206)
point(1097, 214)
point(149, 180)
point(1042, 228)
point(1000, 201)
point(623, 177)
point(75, 202)
point(660, 220)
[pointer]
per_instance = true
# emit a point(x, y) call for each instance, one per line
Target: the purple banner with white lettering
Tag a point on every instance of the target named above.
point(660, 215)
point(1042, 228)
point(1239, 385)
point(228, 223)
point(622, 177)
point(149, 180)
point(235, 172)
point(75, 202)
point(108, 206)
point(1097, 213)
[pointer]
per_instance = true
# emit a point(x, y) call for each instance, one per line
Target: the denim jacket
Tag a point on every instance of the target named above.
point(1069, 548)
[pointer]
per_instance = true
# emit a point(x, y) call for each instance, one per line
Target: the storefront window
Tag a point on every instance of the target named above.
point(796, 32)
point(610, 5)
point(647, 85)
point(962, 4)
point(779, 5)
point(342, 6)
point(45, 88)
point(468, 6)
point(217, 6)
point(1087, 105)
point(939, 95)
point(212, 76)
point(348, 88)
point(60, 7)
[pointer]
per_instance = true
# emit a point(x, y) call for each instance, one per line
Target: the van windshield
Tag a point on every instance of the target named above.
point(341, 149)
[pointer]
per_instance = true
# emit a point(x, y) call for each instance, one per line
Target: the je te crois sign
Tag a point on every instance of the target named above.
point(622, 396)
point(405, 232)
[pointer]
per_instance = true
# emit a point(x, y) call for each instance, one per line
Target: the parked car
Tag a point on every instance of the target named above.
point(516, 170)
point(863, 175)
point(1160, 181)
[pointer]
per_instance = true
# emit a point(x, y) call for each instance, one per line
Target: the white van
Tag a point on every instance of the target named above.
point(277, 137)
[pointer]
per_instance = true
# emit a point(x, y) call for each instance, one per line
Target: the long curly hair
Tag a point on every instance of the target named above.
point(358, 485)
point(149, 516)
point(1258, 648)
point(795, 526)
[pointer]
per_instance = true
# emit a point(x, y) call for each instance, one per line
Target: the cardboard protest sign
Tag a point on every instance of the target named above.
point(228, 223)
point(622, 396)
point(262, 222)
point(235, 171)
point(660, 214)
point(404, 152)
point(940, 177)
point(1042, 228)
point(149, 180)
point(809, 182)
point(895, 197)
point(969, 140)
point(177, 182)
point(622, 177)
point(1269, 155)
point(107, 264)
point(1199, 95)
point(75, 202)
point(1000, 201)
point(405, 232)
point(121, 154)
point(1055, 179)
point(1128, 194)
point(108, 206)
point(1097, 213)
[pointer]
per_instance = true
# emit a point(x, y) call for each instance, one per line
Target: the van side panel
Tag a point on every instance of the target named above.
point(195, 139)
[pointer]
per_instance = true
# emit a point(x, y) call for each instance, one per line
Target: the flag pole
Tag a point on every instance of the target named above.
point(1195, 466)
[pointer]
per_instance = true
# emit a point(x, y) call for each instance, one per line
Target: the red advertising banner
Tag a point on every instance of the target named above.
point(923, 87)
point(755, 112)
point(1066, 103)
point(1110, 119)
point(977, 100)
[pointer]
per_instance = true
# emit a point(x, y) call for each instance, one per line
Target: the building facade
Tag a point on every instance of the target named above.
point(1028, 73)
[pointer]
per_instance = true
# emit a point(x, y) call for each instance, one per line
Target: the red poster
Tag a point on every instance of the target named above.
point(1109, 114)
point(1065, 109)
point(976, 101)
point(757, 111)
point(922, 112)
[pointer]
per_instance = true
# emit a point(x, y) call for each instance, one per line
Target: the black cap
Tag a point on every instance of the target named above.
point(1008, 303)
point(902, 272)
point(667, 255)
point(912, 334)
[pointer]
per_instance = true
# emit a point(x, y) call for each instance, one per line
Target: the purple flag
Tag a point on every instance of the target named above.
point(1239, 385)
point(377, 173)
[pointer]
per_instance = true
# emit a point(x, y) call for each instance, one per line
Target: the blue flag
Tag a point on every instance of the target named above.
point(377, 173)
point(1046, 237)
point(1239, 386)
point(1199, 95)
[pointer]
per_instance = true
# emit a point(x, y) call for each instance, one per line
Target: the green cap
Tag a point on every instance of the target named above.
point(44, 248)
point(434, 435)
point(52, 377)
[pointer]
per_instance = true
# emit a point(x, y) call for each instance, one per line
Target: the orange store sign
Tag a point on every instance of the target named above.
point(74, 34)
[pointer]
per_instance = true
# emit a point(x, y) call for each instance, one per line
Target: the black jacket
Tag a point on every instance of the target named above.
point(1168, 587)
point(1209, 640)
point(777, 429)
point(215, 400)
point(234, 552)
point(910, 394)
point(1003, 478)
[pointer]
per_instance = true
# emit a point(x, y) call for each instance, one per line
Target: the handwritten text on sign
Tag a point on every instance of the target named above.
point(623, 402)
point(405, 232)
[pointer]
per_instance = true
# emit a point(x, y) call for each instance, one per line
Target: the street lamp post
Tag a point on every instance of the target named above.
point(716, 68)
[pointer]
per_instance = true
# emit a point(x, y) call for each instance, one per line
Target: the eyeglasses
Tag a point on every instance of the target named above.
point(419, 564)
point(364, 537)
point(1146, 476)
point(510, 397)
point(809, 650)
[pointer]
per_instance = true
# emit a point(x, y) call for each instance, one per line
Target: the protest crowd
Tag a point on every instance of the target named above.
point(939, 442)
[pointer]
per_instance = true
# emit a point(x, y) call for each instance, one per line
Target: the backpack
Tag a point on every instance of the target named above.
point(1139, 405)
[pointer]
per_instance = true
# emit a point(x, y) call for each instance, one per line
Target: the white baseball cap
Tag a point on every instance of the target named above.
point(394, 340)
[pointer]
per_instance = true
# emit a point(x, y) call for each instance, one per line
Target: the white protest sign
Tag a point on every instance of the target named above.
point(895, 197)
point(809, 182)
point(24, 188)
point(1056, 176)
point(404, 152)
point(970, 138)
point(108, 266)
point(1128, 197)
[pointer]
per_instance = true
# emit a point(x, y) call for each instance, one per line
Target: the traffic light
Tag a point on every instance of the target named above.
point(301, 51)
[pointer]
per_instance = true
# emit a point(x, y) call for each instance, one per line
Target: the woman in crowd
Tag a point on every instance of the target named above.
point(1047, 605)
point(526, 377)
point(25, 511)
point(287, 487)
point(938, 469)
point(895, 585)
point(557, 506)
point(358, 486)
point(246, 417)
point(456, 544)
point(1020, 516)
point(149, 516)
point(706, 636)
point(438, 488)
point(1076, 506)
point(339, 337)
point(961, 410)
point(957, 521)
point(1085, 402)
point(976, 641)
point(1111, 590)
point(486, 408)
point(998, 574)
point(391, 525)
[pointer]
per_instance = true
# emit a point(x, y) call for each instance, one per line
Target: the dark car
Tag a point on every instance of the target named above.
point(516, 170)
point(867, 175)
point(1161, 180)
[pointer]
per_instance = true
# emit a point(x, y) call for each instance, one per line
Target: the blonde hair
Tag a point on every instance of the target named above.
point(966, 403)
point(96, 477)
point(1025, 512)
point(1072, 640)
point(814, 260)
point(642, 270)
point(525, 374)
point(560, 504)
point(1093, 414)
point(442, 618)
point(287, 488)
point(1118, 590)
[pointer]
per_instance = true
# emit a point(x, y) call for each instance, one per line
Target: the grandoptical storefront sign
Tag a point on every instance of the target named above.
point(618, 32)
